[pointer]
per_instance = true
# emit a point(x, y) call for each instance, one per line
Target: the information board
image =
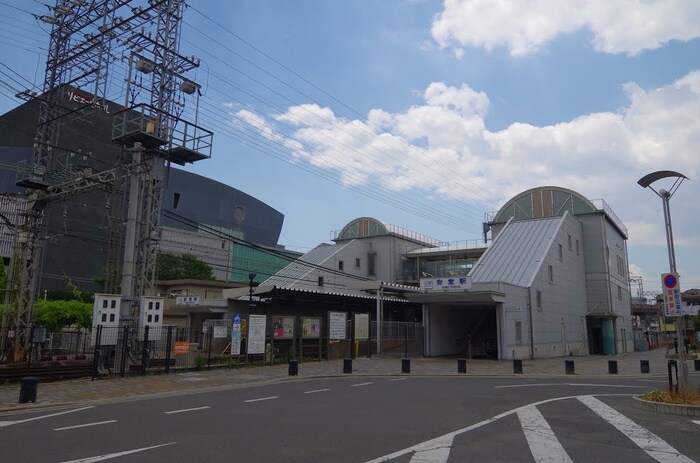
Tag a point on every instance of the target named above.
point(284, 327)
point(256, 334)
point(337, 324)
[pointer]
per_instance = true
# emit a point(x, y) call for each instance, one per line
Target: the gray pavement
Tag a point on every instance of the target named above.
point(114, 389)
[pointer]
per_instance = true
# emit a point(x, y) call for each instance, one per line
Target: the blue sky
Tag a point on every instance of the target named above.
point(427, 114)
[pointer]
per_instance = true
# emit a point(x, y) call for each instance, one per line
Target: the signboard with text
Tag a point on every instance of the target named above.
point(361, 326)
point(256, 334)
point(284, 327)
point(337, 324)
point(311, 328)
point(458, 283)
point(670, 284)
point(236, 335)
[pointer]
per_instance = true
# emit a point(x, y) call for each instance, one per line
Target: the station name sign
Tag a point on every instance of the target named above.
point(459, 283)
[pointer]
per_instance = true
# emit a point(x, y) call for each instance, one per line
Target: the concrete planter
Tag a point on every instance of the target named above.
point(670, 409)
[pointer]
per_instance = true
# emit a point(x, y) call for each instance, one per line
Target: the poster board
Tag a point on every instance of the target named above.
point(283, 327)
point(256, 334)
point(361, 326)
point(311, 327)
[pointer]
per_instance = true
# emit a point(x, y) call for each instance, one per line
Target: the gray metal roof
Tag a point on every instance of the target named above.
point(297, 274)
point(515, 255)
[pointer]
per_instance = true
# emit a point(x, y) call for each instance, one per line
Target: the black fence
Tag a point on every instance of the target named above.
point(109, 350)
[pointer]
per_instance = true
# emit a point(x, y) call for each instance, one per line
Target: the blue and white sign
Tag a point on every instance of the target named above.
point(670, 284)
point(458, 283)
point(236, 335)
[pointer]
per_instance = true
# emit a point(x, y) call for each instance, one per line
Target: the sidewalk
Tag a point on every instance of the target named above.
point(115, 389)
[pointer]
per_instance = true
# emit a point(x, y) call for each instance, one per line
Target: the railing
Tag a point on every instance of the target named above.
point(603, 206)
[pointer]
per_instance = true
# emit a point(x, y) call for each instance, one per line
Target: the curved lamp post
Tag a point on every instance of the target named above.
point(665, 195)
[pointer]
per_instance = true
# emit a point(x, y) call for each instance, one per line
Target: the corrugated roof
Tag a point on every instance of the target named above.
point(515, 255)
point(296, 274)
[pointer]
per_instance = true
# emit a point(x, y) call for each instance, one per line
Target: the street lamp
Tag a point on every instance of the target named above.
point(665, 195)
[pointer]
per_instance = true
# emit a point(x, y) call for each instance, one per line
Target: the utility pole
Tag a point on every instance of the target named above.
point(87, 41)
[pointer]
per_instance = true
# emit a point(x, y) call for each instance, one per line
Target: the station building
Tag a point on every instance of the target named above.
point(552, 282)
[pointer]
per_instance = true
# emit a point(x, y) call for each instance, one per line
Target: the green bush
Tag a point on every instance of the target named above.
point(199, 362)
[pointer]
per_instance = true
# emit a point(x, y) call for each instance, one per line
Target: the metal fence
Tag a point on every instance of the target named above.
point(124, 351)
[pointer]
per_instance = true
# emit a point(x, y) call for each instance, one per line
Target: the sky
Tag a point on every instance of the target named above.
point(429, 115)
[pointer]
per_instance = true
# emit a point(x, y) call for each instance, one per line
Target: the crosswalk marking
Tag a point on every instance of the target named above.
point(652, 444)
point(544, 445)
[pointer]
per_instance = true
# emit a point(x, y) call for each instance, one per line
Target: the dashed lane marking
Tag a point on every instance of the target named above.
point(398, 379)
point(567, 384)
point(361, 384)
point(261, 399)
point(109, 456)
point(66, 428)
point(185, 410)
point(317, 390)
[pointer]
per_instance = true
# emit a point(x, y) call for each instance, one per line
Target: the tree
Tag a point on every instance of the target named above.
point(183, 266)
point(55, 315)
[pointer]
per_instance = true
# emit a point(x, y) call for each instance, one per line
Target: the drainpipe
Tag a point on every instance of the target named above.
point(529, 314)
point(379, 319)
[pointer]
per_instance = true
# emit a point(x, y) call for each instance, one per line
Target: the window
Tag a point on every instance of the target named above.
point(561, 253)
point(341, 264)
point(320, 281)
point(550, 271)
point(157, 318)
point(371, 262)
point(570, 243)
point(619, 293)
point(104, 317)
point(357, 262)
point(150, 318)
point(538, 300)
point(518, 332)
point(577, 248)
point(104, 304)
point(114, 303)
point(111, 317)
point(620, 265)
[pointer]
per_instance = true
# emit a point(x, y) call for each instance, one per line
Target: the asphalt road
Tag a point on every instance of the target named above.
point(402, 419)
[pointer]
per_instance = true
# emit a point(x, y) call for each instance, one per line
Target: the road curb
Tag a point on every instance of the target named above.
point(669, 409)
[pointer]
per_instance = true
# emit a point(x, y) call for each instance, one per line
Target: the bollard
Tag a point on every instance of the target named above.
point(347, 366)
point(672, 387)
point(612, 367)
point(28, 388)
point(644, 365)
point(697, 365)
point(461, 365)
point(293, 367)
point(569, 367)
point(405, 365)
point(517, 366)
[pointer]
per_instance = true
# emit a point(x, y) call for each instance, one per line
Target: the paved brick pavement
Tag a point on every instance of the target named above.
point(84, 391)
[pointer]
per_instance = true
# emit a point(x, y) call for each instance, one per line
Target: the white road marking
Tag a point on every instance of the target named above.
point(544, 445)
point(116, 455)
point(316, 390)
point(84, 425)
point(440, 440)
point(434, 451)
point(652, 444)
point(261, 399)
point(567, 384)
point(361, 384)
point(654, 380)
point(184, 410)
point(398, 379)
point(696, 422)
point(9, 423)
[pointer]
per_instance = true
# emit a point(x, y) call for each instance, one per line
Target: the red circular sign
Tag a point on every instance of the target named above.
point(670, 281)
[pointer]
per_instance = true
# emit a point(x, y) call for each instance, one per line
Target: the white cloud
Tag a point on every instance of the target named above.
point(618, 26)
point(442, 148)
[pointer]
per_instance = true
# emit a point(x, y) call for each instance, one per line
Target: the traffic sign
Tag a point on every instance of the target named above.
point(671, 287)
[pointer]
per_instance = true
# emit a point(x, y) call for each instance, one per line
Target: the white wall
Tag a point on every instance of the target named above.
point(559, 324)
